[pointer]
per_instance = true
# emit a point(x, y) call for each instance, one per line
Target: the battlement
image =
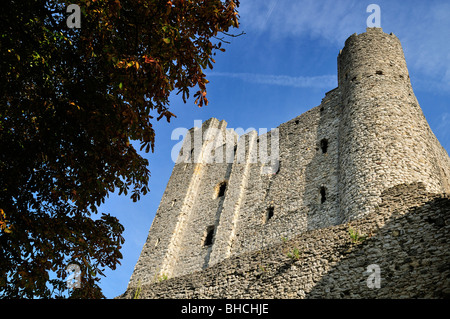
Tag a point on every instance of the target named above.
point(333, 162)
point(370, 55)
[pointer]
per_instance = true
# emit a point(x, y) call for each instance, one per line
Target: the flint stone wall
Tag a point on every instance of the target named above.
point(335, 160)
point(407, 237)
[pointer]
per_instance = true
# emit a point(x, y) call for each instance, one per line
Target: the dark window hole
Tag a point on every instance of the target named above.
point(269, 213)
point(324, 145)
point(323, 194)
point(222, 189)
point(209, 236)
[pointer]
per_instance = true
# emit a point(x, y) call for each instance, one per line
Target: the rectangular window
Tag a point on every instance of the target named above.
point(323, 197)
point(269, 213)
point(209, 236)
point(324, 145)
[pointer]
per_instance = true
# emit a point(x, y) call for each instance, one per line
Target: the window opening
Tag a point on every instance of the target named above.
point(222, 189)
point(322, 195)
point(269, 213)
point(324, 145)
point(209, 236)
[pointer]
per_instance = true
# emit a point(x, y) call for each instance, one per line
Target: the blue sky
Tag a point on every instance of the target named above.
point(280, 68)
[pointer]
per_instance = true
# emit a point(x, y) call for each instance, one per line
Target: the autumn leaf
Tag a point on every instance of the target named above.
point(70, 102)
point(4, 222)
point(148, 59)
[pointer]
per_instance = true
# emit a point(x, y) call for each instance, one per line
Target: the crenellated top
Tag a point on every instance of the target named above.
point(370, 54)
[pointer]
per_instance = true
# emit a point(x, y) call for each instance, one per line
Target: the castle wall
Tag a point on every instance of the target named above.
point(246, 154)
point(385, 139)
point(167, 222)
point(294, 193)
point(332, 164)
point(406, 239)
point(188, 207)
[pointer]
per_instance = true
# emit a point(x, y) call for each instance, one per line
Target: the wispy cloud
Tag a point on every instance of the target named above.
point(444, 124)
point(322, 81)
point(422, 27)
point(328, 19)
point(442, 130)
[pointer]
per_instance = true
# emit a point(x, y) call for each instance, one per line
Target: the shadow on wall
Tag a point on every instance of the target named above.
point(321, 173)
point(209, 236)
point(407, 253)
point(410, 254)
point(406, 239)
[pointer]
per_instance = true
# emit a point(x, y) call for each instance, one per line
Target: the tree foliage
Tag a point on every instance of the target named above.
point(71, 101)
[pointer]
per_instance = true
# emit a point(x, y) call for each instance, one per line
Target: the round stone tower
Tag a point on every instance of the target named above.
point(384, 138)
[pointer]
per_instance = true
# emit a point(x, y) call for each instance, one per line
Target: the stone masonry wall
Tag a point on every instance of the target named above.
point(294, 192)
point(407, 237)
point(188, 197)
point(384, 138)
point(334, 161)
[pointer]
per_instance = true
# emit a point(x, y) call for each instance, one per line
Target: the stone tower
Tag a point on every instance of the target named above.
point(384, 137)
point(333, 162)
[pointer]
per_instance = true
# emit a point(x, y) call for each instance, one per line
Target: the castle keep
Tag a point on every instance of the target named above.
point(332, 165)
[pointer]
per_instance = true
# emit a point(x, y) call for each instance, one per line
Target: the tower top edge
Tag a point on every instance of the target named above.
point(370, 31)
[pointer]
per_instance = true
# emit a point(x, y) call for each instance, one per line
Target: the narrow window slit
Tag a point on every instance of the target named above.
point(324, 145)
point(322, 195)
point(208, 241)
point(222, 189)
point(269, 213)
